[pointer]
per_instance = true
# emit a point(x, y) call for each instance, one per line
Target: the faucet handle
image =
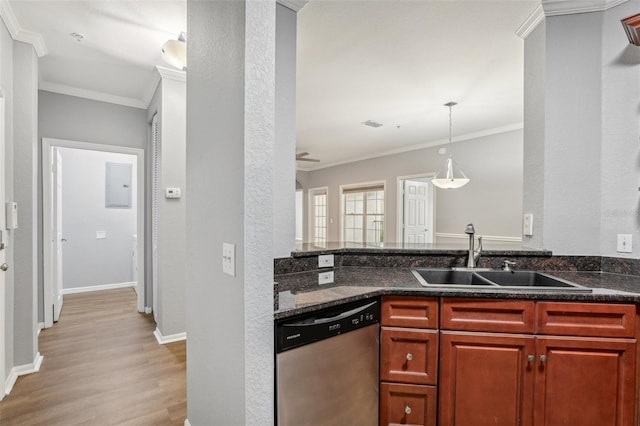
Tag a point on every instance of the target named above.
point(507, 265)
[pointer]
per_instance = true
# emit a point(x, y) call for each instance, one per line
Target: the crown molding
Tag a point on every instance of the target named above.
point(171, 74)
point(89, 94)
point(294, 5)
point(531, 23)
point(20, 34)
point(569, 7)
point(461, 138)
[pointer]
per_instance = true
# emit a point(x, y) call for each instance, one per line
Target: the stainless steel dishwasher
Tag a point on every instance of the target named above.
point(327, 367)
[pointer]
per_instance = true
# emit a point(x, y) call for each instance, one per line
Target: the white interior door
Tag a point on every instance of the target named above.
point(3, 240)
point(57, 233)
point(417, 213)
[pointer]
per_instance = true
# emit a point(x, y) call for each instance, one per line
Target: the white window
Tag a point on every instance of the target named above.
point(318, 217)
point(363, 221)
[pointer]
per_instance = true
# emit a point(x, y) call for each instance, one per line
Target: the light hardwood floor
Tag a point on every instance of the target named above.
point(102, 366)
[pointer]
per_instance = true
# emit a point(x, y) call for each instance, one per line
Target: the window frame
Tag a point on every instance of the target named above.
point(362, 187)
point(311, 228)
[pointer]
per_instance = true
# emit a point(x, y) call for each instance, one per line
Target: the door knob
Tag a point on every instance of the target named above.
point(4, 267)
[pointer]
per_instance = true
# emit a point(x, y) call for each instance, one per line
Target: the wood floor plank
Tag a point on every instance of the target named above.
point(102, 366)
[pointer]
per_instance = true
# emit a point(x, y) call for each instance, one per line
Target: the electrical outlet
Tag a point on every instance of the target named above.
point(624, 243)
point(325, 277)
point(101, 235)
point(527, 224)
point(229, 259)
point(325, 261)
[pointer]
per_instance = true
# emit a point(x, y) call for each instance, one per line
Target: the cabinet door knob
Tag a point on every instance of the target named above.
point(409, 357)
point(407, 409)
point(531, 358)
point(543, 358)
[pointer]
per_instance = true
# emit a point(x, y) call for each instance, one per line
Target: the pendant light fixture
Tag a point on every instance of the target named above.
point(174, 52)
point(451, 177)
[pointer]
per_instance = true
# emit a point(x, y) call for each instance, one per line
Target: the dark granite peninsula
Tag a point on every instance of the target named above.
point(361, 273)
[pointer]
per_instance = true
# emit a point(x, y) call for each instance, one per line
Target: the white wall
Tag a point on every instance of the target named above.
point(88, 261)
point(492, 200)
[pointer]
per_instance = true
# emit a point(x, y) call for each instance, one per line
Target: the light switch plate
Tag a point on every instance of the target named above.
point(527, 224)
point(172, 192)
point(325, 261)
point(101, 235)
point(325, 277)
point(229, 259)
point(624, 243)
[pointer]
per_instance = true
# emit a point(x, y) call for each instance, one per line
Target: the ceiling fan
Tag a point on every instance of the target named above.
point(302, 157)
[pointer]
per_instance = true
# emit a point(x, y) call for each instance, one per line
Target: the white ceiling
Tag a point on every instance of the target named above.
point(394, 62)
point(397, 63)
point(122, 45)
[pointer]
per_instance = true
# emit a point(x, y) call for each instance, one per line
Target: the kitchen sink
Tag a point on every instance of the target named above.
point(494, 279)
point(450, 277)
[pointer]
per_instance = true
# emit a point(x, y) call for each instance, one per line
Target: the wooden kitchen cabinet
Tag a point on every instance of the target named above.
point(487, 379)
point(585, 381)
point(402, 404)
point(538, 379)
point(408, 361)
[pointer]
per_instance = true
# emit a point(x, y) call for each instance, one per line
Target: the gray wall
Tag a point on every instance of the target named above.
point(25, 158)
point(77, 119)
point(88, 261)
point(587, 135)
point(492, 200)
point(534, 133)
point(6, 84)
point(171, 212)
point(285, 169)
point(230, 138)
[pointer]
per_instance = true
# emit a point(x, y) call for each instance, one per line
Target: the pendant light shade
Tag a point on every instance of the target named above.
point(451, 177)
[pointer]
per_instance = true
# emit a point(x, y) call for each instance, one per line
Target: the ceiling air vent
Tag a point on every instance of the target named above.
point(371, 123)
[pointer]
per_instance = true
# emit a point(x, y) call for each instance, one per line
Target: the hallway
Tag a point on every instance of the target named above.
point(102, 366)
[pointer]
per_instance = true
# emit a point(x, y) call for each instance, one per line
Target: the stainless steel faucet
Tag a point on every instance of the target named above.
point(473, 254)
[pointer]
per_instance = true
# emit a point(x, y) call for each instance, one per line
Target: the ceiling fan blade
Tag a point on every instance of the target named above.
point(313, 160)
point(302, 154)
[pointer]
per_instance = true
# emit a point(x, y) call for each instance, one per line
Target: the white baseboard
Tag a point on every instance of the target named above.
point(98, 287)
point(186, 422)
point(40, 327)
point(163, 340)
point(148, 310)
point(22, 370)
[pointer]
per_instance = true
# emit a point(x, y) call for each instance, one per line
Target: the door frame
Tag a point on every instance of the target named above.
point(47, 144)
point(400, 205)
point(5, 237)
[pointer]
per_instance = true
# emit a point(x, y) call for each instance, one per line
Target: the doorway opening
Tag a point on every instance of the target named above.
point(416, 210)
point(102, 215)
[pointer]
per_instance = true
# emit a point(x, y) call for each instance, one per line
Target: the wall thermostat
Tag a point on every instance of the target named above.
point(172, 192)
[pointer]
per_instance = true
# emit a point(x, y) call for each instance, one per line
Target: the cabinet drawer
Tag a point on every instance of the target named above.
point(417, 312)
point(409, 355)
point(407, 405)
point(586, 319)
point(503, 316)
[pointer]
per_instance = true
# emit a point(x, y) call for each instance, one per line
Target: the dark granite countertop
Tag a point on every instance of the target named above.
point(451, 248)
point(299, 293)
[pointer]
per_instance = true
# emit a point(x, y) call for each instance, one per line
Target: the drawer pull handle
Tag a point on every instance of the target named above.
point(543, 358)
point(531, 358)
point(409, 357)
point(407, 410)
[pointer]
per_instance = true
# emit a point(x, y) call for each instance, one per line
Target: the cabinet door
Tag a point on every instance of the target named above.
point(486, 379)
point(409, 355)
point(407, 405)
point(585, 381)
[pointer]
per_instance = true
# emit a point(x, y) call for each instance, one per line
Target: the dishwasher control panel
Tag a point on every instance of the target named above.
point(292, 333)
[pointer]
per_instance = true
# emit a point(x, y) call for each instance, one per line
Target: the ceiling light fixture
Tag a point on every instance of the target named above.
point(452, 176)
point(174, 52)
